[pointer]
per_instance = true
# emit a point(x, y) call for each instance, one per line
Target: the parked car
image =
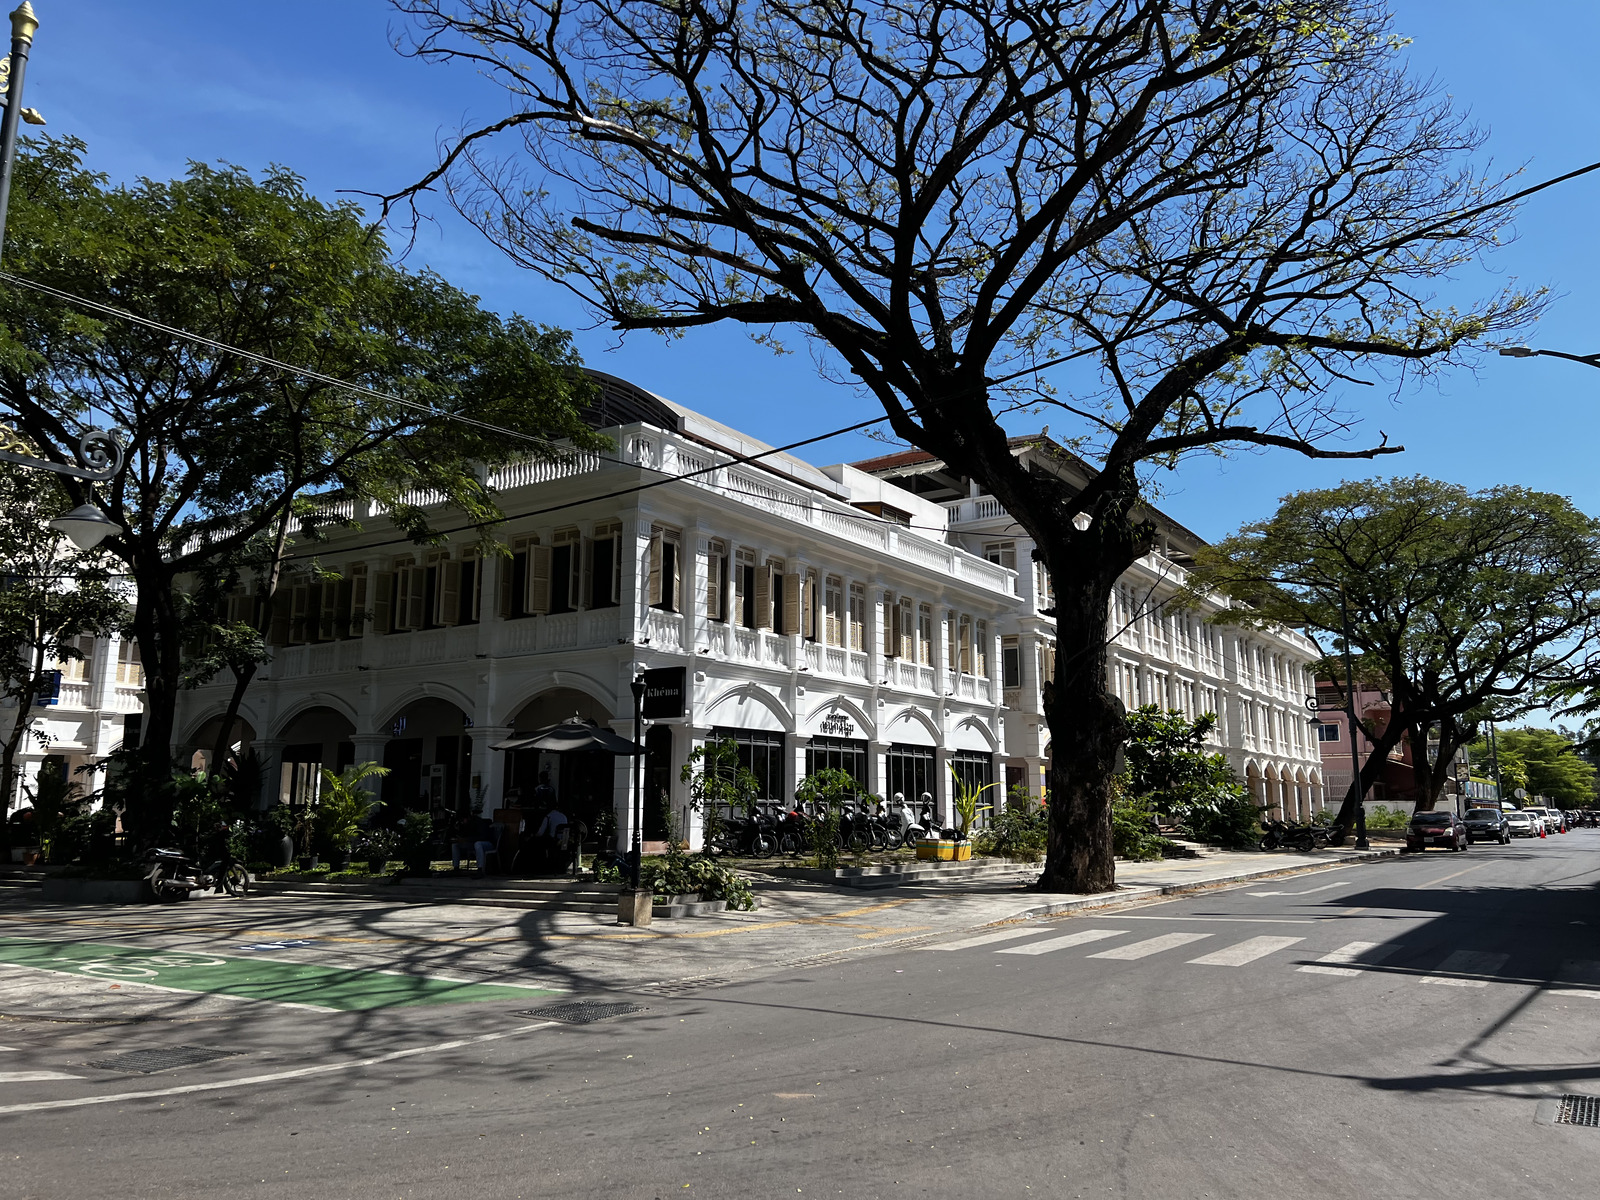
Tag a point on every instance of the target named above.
point(1522, 824)
point(1487, 825)
point(1541, 815)
point(1436, 829)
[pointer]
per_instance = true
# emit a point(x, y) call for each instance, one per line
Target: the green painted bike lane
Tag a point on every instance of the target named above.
point(342, 989)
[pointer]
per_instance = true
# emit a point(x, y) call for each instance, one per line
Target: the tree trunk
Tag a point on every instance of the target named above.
point(246, 672)
point(1371, 772)
point(8, 753)
point(158, 629)
point(1086, 731)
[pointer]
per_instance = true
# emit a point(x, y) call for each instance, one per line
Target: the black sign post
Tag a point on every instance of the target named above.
point(664, 689)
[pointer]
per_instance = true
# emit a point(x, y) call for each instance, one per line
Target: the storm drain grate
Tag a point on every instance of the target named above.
point(580, 1012)
point(148, 1062)
point(1579, 1110)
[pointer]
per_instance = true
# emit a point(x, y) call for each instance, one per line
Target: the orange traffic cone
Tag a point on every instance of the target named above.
point(1542, 833)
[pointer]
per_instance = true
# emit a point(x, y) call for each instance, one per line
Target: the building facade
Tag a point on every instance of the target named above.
point(816, 617)
point(1257, 682)
point(84, 720)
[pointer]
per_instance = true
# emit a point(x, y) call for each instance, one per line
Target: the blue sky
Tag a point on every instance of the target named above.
point(314, 85)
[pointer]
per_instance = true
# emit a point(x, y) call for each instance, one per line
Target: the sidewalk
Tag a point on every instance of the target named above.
point(797, 924)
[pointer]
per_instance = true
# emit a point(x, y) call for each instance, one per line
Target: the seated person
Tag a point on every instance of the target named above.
point(476, 833)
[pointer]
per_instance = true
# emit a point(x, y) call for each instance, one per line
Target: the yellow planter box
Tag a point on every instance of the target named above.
point(938, 850)
point(963, 851)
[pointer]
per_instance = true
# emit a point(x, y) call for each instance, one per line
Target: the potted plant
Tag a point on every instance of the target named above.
point(967, 807)
point(277, 835)
point(305, 830)
point(345, 805)
point(379, 846)
point(416, 839)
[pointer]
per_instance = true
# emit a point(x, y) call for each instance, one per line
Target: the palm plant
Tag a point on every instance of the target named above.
point(966, 803)
point(345, 803)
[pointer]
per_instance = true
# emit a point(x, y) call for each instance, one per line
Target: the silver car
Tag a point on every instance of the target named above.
point(1522, 824)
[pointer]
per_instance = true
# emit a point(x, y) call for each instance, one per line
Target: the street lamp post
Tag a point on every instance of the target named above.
point(1350, 715)
point(23, 24)
point(636, 855)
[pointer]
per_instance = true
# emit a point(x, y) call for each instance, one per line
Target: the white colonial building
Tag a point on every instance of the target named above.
point(870, 617)
point(83, 720)
point(818, 617)
point(1257, 682)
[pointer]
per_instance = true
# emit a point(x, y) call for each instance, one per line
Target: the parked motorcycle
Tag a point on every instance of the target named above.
point(173, 876)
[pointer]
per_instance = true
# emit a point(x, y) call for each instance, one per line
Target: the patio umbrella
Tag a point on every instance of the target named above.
point(571, 734)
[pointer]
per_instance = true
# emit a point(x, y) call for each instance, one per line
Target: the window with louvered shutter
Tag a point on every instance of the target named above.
point(417, 598)
point(657, 544)
point(383, 586)
point(964, 625)
point(449, 612)
point(891, 627)
point(299, 602)
point(808, 607)
point(925, 635)
point(716, 581)
point(833, 608)
point(792, 603)
point(858, 617)
point(328, 614)
point(764, 597)
point(538, 587)
point(980, 649)
point(905, 631)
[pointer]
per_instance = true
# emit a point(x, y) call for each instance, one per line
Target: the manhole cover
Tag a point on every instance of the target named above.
point(147, 1062)
point(1579, 1110)
point(579, 1012)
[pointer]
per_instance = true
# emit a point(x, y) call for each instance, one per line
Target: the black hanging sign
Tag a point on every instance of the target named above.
point(664, 693)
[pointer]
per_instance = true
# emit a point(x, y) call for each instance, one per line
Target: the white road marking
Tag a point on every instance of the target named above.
point(1155, 945)
point(1306, 892)
point(983, 939)
point(1244, 952)
point(1061, 943)
point(277, 1076)
point(1232, 920)
point(34, 1076)
point(1347, 953)
point(1583, 992)
point(1453, 875)
point(1468, 962)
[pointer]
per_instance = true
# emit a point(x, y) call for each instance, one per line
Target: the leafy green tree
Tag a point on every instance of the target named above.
point(400, 379)
point(1544, 762)
point(718, 785)
point(50, 596)
point(1219, 214)
point(1170, 771)
point(1460, 602)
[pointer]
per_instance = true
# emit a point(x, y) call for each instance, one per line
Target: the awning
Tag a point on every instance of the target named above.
point(571, 734)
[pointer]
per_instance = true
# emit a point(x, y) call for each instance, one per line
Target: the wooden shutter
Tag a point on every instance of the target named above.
point(383, 585)
point(764, 597)
point(808, 606)
point(906, 628)
point(583, 572)
point(980, 644)
point(715, 557)
point(965, 625)
point(358, 600)
point(538, 579)
point(505, 570)
point(449, 593)
point(792, 603)
point(886, 614)
point(299, 598)
point(328, 617)
point(657, 545)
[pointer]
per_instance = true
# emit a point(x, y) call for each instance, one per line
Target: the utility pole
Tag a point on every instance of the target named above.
point(1494, 760)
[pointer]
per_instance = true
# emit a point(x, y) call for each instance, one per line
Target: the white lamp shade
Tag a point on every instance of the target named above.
point(86, 525)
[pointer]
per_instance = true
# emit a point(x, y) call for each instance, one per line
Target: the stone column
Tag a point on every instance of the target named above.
point(488, 780)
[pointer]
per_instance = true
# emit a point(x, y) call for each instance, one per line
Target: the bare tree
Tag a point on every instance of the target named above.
point(1209, 214)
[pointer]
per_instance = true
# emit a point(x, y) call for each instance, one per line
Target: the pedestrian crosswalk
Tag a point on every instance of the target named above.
point(1458, 968)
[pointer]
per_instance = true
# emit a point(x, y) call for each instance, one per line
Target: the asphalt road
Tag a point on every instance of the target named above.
point(1384, 1030)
